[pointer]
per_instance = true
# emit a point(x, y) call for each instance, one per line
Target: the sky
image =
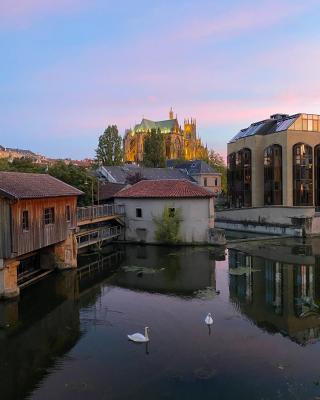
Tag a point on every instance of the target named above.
point(70, 68)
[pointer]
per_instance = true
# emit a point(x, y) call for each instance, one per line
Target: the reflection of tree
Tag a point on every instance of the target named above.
point(172, 267)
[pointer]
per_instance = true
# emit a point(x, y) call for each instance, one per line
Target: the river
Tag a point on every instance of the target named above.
point(66, 337)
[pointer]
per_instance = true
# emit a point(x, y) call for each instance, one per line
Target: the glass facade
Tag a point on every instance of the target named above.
point(302, 175)
point(273, 175)
point(239, 179)
point(317, 176)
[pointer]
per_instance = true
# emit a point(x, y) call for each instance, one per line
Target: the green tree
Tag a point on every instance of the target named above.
point(217, 162)
point(109, 151)
point(77, 177)
point(168, 226)
point(21, 165)
point(154, 151)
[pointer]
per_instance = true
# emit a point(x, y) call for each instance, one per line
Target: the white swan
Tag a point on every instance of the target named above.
point(139, 337)
point(208, 320)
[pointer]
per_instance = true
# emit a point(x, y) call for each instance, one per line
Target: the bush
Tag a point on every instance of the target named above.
point(168, 226)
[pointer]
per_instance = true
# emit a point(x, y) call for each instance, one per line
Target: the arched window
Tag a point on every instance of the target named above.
point(302, 175)
point(231, 179)
point(239, 178)
point(273, 175)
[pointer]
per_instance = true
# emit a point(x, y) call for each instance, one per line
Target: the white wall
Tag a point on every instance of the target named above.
point(197, 215)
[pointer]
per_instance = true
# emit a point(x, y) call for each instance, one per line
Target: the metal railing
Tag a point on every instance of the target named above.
point(97, 236)
point(96, 212)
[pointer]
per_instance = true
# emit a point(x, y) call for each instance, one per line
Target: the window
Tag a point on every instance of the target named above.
point(302, 175)
point(273, 175)
point(205, 182)
point(172, 212)
point(139, 212)
point(317, 176)
point(48, 216)
point(216, 182)
point(68, 213)
point(239, 179)
point(25, 220)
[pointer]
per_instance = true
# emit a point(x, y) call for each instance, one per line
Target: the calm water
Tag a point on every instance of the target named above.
point(66, 337)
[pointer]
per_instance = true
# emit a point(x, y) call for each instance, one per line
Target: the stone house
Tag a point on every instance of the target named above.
point(147, 199)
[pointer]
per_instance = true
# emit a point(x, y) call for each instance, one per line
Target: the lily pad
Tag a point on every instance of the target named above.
point(207, 293)
point(141, 270)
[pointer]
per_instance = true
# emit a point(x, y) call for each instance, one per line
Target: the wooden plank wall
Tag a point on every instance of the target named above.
point(40, 235)
point(5, 228)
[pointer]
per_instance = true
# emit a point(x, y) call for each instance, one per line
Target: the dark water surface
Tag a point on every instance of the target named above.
point(66, 337)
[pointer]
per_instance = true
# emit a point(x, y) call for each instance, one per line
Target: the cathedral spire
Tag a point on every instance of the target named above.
point(171, 113)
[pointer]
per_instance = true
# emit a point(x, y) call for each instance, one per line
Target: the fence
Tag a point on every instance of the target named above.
point(96, 212)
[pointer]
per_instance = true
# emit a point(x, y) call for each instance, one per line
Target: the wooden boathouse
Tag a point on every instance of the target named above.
point(38, 216)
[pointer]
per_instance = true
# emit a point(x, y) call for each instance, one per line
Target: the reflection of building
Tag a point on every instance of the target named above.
point(276, 162)
point(175, 272)
point(146, 201)
point(178, 142)
point(277, 296)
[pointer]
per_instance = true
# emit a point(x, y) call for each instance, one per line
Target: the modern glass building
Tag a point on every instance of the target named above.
point(276, 162)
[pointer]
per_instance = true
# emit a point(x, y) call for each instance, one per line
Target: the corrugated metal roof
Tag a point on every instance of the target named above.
point(19, 185)
point(192, 167)
point(122, 173)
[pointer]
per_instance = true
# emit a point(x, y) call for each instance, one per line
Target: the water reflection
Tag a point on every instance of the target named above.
point(67, 336)
point(277, 291)
point(168, 270)
point(38, 330)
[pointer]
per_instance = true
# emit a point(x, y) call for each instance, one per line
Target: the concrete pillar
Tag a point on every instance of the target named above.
point(9, 279)
point(66, 253)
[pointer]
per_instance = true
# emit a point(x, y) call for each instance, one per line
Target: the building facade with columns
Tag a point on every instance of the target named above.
point(274, 172)
point(178, 143)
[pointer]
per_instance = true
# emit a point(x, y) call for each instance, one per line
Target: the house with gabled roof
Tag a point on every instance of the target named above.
point(38, 216)
point(146, 201)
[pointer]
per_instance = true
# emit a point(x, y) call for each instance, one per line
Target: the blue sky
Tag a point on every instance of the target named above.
point(71, 67)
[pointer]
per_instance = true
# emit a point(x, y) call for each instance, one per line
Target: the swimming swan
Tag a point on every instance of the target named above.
point(139, 337)
point(208, 320)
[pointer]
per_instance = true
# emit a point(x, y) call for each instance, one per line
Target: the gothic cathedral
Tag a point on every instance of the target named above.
point(179, 143)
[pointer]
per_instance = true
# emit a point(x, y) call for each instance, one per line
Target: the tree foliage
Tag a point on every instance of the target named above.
point(154, 151)
point(77, 177)
point(109, 151)
point(21, 165)
point(168, 226)
point(217, 162)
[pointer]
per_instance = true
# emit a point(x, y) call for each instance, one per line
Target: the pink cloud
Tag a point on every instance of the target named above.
point(243, 19)
point(22, 12)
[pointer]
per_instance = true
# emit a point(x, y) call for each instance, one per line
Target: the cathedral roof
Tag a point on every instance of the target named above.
point(147, 124)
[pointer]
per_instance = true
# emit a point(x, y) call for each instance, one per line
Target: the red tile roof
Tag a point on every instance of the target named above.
point(19, 185)
point(169, 188)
